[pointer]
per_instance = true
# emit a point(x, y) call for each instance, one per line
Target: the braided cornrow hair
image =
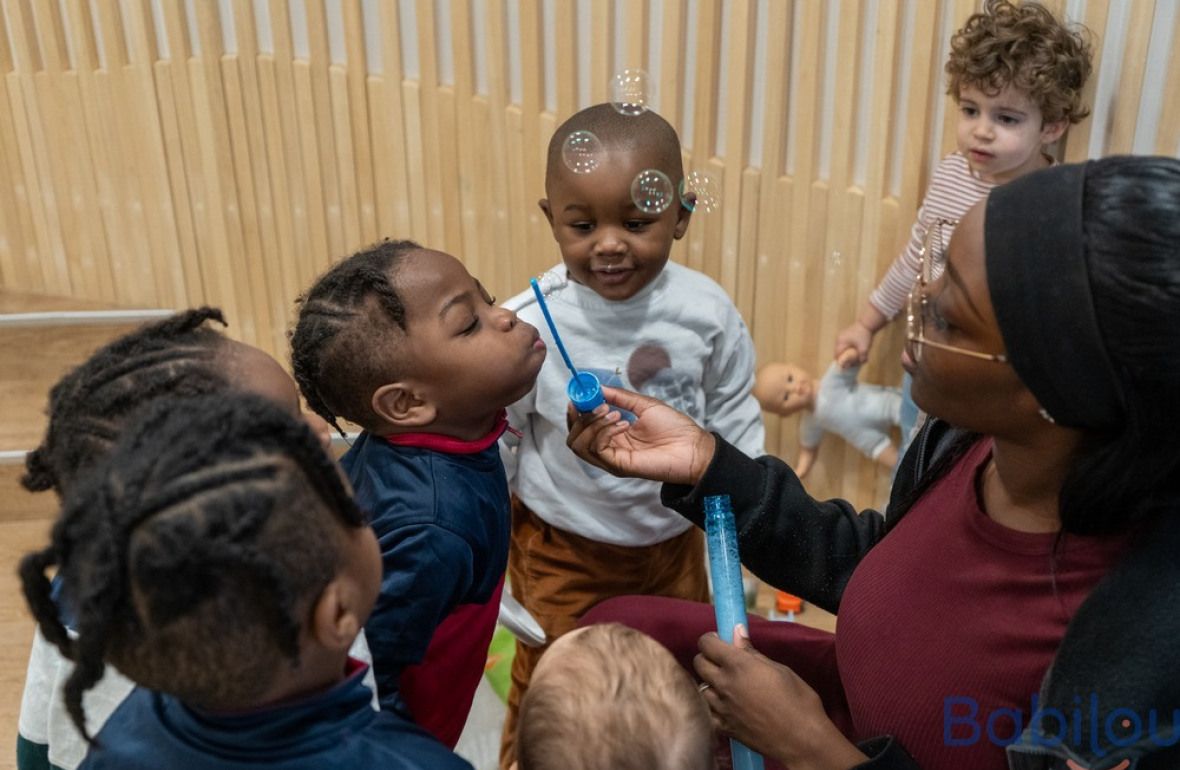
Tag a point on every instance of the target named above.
point(335, 347)
point(205, 533)
point(87, 407)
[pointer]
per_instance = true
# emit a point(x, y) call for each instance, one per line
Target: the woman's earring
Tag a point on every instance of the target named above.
point(1047, 417)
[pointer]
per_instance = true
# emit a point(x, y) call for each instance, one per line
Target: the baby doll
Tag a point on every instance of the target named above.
point(863, 415)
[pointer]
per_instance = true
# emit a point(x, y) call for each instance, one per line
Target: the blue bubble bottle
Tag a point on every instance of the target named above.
point(729, 596)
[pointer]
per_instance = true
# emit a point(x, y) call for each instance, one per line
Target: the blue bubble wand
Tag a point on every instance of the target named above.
point(584, 389)
point(729, 598)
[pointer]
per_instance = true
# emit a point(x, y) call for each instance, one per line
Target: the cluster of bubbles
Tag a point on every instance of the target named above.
point(583, 153)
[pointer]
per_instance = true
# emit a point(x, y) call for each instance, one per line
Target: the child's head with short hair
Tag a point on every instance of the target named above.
point(399, 338)
point(608, 697)
point(215, 554)
point(179, 356)
point(608, 243)
point(1017, 74)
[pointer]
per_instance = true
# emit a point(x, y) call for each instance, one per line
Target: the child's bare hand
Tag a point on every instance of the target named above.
point(662, 444)
point(856, 337)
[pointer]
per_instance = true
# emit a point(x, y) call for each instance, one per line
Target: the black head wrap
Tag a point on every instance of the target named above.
point(1039, 280)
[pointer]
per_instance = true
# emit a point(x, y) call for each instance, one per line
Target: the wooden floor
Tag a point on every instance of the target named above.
point(31, 360)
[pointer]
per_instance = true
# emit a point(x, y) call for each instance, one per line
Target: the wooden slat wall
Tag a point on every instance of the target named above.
point(145, 161)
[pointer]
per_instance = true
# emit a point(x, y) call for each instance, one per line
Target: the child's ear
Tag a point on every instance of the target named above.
point(683, 214)
point(334, 620)
point(400, 405)
point(544, 204)
point(1051, 132)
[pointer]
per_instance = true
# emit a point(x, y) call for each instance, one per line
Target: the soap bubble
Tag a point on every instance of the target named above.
point(699, 191)
point(652, 191)
point(629, 92)
point(582, 152)
point(835, 262)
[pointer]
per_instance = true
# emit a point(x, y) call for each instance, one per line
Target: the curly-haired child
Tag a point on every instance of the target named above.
point(1016, 74)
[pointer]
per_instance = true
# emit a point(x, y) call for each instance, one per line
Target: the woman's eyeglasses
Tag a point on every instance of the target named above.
point(918, 307)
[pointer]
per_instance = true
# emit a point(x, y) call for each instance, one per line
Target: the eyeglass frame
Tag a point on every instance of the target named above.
point(916, 324)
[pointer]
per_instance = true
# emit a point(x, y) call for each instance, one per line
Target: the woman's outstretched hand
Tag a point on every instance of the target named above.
point(766, 706)
point(662, 444)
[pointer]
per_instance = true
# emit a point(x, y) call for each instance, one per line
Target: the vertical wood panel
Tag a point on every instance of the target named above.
point(18, 244)
point(636, 35)
point(141, 124)
point(356, 71)
point(804, 213)
point(565, 45)
point(959, 10)
point(1077, 139)
point(876, 238)
point(1134, 65)
point(30, 138)
point(739, 84)
point(602, 50)
point(1167, 141)
point(429, 142)
point(471, 145)
point(318, 63)
point(205, 247)
point(704, 235)
point(394, 210)
point(533, 143)
point(672, 58)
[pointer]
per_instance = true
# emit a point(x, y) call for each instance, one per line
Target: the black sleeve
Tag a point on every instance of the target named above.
point(885, 753)
point(785, 536)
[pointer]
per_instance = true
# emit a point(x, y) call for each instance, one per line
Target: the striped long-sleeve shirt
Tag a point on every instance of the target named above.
point(953, 189)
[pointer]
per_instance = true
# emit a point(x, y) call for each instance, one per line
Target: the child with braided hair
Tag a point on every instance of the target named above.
point(217, 558)
point(179, 356)
point(404, 342)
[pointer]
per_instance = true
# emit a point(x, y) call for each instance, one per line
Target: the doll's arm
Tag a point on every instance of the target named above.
point(810, 434)
point(805, 461)
point(888, 456)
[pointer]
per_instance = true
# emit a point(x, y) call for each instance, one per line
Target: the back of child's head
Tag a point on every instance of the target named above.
point(608, 697)
point(191, 554)
point(1024, 46)
point(344, 343)
point(646, 132)
point(88, 406)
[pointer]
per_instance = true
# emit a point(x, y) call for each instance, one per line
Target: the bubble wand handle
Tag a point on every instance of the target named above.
point(552, 327)
point(584, 389)
point(729, 598)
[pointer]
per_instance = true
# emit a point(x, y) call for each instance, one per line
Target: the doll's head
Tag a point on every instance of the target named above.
point(783, 388)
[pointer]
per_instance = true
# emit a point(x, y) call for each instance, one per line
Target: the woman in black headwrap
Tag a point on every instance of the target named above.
point(1016, 605)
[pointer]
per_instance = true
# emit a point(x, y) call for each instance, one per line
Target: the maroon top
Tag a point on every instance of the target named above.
point(951, 670)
